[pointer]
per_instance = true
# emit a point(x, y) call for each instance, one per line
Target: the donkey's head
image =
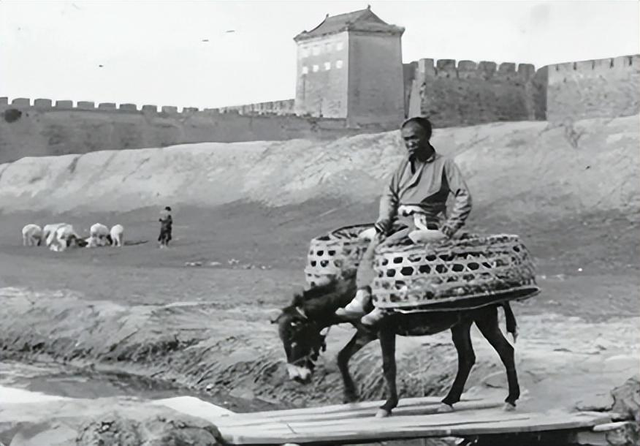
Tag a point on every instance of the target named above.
point(303, 325)
point(303, 339)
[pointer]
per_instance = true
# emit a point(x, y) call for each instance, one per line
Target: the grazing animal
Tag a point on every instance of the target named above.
point(302, 326)
point(64, 237)
point(98, 235)
point(48, 232)
point(31, 235)
point(117, 235)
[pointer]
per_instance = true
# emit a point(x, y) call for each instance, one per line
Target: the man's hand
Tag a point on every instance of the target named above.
point(427, 236)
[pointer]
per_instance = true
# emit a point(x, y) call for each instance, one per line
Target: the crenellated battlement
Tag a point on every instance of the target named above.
point(595, 67)
point(84, 106)
point(450, 68)
point(276, 108)
point(593, 88)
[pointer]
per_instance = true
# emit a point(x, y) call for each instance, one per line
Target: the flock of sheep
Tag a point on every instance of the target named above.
point(60, 236)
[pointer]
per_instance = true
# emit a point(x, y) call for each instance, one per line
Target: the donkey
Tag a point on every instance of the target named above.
point(303, 326)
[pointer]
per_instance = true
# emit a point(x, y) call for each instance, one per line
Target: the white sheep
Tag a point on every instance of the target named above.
point(63, 238)
point(117, 235)
point(98, 235)
point(31, 235)
point(49, 232)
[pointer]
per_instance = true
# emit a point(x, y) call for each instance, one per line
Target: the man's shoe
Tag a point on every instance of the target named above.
point(355, 308)
point(373, 318)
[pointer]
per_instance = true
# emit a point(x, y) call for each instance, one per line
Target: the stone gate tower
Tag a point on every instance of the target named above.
point(350, 66)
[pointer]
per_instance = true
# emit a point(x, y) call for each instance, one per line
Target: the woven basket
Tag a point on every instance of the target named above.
point(465, 273)
point(332, 254)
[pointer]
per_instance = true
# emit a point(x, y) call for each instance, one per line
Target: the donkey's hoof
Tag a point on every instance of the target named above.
point(383, 413)
point(349, 399)
point(444, 408)
point(509, 407)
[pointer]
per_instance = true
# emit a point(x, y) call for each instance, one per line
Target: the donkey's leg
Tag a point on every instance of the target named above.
point(388, 344)
point(461, 335)
point(359, 340)
point(488, 325)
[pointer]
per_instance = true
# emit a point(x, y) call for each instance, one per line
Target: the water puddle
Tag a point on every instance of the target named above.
point(29, 383)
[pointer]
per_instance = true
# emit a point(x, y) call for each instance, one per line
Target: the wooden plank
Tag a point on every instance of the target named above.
point(341, 408)
point(354, 414)
point(407, 420)
point(388, 429)
point(384, 424)
point(390, 424)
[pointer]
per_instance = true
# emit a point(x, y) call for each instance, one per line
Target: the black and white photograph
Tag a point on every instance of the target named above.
point(319, 223)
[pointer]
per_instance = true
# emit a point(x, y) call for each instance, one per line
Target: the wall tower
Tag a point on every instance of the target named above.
point(350, 66)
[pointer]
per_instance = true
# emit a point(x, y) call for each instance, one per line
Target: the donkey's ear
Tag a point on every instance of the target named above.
point(274, 316)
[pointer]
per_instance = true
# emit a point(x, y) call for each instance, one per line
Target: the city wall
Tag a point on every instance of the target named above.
point(455, 93)
point(462, 93)
point(450, 93)
point(594, 88)
point(44, 127)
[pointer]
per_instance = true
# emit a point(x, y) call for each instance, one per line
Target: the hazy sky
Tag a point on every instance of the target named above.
point(217, 53)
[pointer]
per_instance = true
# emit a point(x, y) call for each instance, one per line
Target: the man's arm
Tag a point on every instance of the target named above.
point(462, 203)
point(389, 203)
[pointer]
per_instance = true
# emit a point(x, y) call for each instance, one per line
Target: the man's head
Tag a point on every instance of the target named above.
point(416, 133)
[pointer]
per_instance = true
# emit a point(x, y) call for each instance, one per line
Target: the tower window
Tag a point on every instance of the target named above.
point(305, 70)
point(315, 50)
point(338, 64)
point(327, 47)
point(339, 46)
point(305, 52)
point(327, 66)
point(315, 68)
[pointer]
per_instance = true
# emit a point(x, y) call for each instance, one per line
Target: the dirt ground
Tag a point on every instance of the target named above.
point(587, 267)
point(205, 329)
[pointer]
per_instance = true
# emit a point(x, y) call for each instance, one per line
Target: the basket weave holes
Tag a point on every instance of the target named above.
point(324, 263)
point(457, 267)
point(407, 271)
point(391, 273)
point(424, 269)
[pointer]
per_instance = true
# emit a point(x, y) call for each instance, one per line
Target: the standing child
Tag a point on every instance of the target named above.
point(166, 222)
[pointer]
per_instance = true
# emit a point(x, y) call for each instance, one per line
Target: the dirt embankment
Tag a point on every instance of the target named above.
point(517, 170)
point(217, 347)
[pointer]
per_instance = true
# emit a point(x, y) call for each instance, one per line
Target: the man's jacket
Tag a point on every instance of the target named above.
point(428, 186)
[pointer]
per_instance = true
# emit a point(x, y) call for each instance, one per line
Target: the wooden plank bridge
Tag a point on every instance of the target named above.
point(414, 418)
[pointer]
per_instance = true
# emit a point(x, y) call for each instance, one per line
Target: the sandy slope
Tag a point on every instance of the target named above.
point(520, 170)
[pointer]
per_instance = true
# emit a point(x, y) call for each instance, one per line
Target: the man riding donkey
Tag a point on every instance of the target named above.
point(413, 205)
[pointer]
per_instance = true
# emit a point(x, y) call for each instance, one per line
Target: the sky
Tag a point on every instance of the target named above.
point(209, 54)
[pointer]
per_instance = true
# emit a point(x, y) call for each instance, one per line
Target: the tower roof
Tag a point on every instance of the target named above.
point(363, 20)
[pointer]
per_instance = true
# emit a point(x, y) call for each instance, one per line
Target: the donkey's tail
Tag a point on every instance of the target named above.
point(510, 318)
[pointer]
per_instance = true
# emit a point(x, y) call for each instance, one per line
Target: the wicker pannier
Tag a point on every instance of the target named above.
point(458, 274)
point(330, 254)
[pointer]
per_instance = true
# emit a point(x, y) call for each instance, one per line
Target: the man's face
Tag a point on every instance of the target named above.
point(415, 138)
